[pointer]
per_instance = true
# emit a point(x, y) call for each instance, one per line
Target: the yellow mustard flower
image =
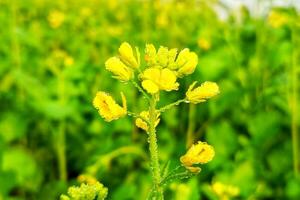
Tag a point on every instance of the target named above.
point(142, 124)
point(277, 19)
point(199, 153)
point(56, 18)
point(186, 62)
point(119, 69)
point(150, 54)
point(204, 44)
point(155, 79)
point(128, 57)
point(202, 93)
point(108, 108)
point(224, 191)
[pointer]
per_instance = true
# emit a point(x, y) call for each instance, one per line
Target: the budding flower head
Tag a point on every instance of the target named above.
point(155, 79)
point(86, 192)
point(139, 122)
point(119, 69)
point(199, 153)
point(128, 57)
point(202, 93)
point(108, 108)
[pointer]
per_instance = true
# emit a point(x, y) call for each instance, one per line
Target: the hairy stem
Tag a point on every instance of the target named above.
point(153, 148)
point(167, 107)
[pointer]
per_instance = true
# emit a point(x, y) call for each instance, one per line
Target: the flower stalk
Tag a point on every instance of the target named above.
point(153, 148)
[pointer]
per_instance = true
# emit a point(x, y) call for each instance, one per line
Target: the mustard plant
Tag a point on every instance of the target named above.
point(162, 70)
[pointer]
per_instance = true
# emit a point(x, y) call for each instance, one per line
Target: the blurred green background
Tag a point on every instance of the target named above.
point(52, 56)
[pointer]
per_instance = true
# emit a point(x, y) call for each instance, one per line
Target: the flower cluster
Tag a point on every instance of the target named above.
point(199, 153)
point(94, 191)
point(163, 67)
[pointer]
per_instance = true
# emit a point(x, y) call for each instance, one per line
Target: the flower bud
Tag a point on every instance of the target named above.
point(127, 56)
point(202, 93)
point(119, 69)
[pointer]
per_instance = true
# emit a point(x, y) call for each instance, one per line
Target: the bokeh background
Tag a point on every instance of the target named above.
point(52, 56)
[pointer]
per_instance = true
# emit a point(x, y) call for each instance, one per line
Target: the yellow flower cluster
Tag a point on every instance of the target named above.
point(87, 192)
point(163, 67)
point(155, 79)
point(199, 153)
point(108, 108)
point(224, 191)
point(142, 124)
point(277, 19)
point(202, 93)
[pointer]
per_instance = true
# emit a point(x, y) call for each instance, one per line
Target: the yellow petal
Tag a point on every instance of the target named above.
point(199, 153)
point(127, 56)
point(119, 69)
point(168, 80)
point(152, 73)
point(150, 86)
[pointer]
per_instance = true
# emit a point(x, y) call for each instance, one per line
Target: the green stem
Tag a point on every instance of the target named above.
point(140, 90)
point(191, 126)
point(167, 107)
point(294, 100)
point(61, 143)
point(61, 149)
point(153, 148)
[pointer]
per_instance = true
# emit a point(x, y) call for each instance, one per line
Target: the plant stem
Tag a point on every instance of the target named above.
point(191, 126)
point(61, 143)
point(294, 101)
point(140, 89)
point(167, 107)
point(153, 148)
point(61, 154)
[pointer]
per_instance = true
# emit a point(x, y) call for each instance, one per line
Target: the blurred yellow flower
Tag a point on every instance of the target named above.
point(85, 12)
point(204, 44)
point(56, 18)
point(202, 93)
point(162, 20)
point(277, 19)
point(155, 79)
point(224, 191)
point(142, 124)
point(119, 69)
point(127, 56)
point(199, 153)
point(68, 61)
point(108, 108)
point(186, 62)
point(85, 178)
